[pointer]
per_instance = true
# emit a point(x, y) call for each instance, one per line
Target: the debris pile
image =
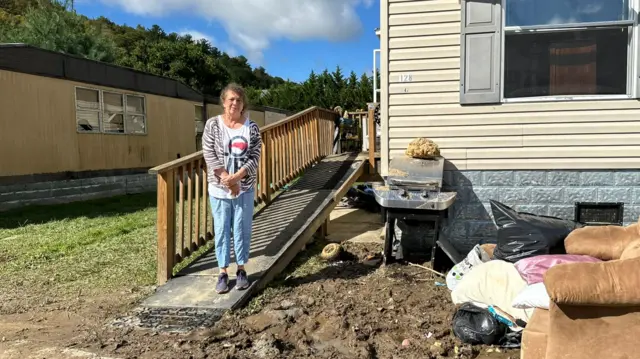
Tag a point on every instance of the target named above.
point(422, 148)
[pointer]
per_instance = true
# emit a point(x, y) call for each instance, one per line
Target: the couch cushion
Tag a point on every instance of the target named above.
point(534, 336)
point(632, 250)
point(603, 242)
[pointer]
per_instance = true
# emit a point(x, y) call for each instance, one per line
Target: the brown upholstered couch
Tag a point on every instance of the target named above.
point(595, 307)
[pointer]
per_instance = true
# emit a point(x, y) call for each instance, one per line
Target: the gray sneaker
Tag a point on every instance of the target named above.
point(223, 283)
point(242, 281)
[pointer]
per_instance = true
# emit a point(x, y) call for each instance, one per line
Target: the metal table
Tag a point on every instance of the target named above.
point(398, 204)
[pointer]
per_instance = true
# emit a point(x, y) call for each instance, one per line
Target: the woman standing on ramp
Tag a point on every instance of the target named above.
point(232, 145)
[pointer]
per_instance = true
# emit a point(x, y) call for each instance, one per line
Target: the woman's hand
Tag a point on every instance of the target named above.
point(235, 189)
point(230, 180)
point(223, 175)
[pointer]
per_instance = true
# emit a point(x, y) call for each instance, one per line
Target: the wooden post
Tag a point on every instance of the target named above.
point(166, 225)
point(323, 230)
point(371, 124)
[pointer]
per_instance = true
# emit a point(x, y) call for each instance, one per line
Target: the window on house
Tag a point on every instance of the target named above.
point(110, 112)
point(113, 112)
point(136, 119)
point(199, 116)
point(546, 49)
point(87, 110)
point(566, 47)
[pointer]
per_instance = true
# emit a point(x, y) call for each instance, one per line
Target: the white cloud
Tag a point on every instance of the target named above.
point(197, 35)
point(253, 24)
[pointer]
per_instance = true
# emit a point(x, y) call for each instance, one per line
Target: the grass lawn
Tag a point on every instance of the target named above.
point(95, 246)
point(106, 244)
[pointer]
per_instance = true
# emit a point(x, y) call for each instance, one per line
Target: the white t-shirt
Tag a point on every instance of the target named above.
point(236, 144)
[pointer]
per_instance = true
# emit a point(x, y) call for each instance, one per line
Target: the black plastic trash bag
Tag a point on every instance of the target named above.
point(362, 196)
point(511, 340)
point(521, 235)
point(474, 325)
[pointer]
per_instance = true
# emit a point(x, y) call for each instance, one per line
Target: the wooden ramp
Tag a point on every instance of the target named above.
point(280, 231)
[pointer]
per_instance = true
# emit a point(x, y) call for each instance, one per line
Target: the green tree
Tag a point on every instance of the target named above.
point(53, 27)
point(51, 24)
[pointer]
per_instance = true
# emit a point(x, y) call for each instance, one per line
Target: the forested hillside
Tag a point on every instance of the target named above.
point(53, 25)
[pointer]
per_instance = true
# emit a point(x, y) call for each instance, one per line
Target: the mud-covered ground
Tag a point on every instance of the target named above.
point(354, 308)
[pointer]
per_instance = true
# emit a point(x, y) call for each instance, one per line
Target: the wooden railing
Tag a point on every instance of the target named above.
point(184, 222)
point(351, 136)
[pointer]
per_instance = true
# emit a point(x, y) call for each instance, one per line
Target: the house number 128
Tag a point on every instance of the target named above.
point(406, 78)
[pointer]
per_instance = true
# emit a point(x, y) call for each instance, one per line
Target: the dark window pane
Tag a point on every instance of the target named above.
point(552, 12)
point(587, 62)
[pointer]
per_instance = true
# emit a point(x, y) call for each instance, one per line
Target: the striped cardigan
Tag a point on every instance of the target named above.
point(213, 151)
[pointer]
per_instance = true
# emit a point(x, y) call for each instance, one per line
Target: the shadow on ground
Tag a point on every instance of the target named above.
point(105, 207)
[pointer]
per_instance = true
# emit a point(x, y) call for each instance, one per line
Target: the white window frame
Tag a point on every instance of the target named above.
point(101, 111)
point(632, 56)
point(201, 106)
point(122, 113)
point(143, 114)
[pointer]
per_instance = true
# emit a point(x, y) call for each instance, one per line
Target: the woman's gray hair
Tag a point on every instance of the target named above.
point(237, 89)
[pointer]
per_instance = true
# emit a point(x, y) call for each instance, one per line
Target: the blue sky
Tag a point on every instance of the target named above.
point(287, 37)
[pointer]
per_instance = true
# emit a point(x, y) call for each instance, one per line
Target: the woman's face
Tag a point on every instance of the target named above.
point(233, 104)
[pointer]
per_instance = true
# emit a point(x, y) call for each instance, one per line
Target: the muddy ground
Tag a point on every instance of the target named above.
point(350, 309)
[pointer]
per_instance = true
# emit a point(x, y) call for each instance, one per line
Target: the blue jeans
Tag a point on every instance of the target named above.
point(232, 215)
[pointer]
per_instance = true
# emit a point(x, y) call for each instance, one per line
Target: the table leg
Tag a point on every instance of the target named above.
point(388, 240)
point(434, 239)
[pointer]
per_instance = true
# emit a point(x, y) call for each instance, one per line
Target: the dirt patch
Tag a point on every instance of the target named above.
point(353, 308)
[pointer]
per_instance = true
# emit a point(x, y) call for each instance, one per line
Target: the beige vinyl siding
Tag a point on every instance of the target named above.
point(38, 130)
point(423, 40)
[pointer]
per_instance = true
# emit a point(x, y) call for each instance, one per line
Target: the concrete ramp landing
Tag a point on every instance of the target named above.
point(280, 231)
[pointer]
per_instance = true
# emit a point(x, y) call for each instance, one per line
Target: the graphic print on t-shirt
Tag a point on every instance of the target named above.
point(236, 152)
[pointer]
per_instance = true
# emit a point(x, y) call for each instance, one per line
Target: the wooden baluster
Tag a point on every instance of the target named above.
point(296, 144)
point(327, 137)
point(283, 155)
point(189, 208)
point(300, 145)
point(316, 134)
point(205, 202)
point(311, 141)
point(324, 136)
point(198, 239)
point(290, 168)
point(303, 145)
point(278, 157)
point(180, 253)
point(166, 225)
point(263, 169)
point(274, 158)
point(312, 138)
point(323, 145)
point(269, 165)
point(307, 136)
point(372, 138)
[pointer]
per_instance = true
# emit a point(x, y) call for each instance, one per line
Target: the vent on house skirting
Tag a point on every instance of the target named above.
point(599, 214)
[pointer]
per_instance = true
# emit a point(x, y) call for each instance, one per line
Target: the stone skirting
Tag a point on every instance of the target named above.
point(552, 193)
point(53, 192)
